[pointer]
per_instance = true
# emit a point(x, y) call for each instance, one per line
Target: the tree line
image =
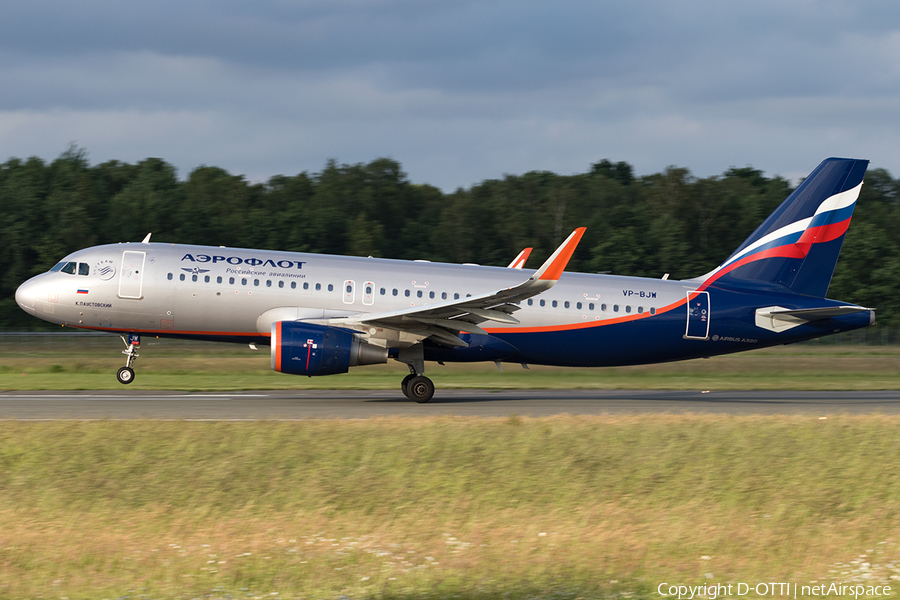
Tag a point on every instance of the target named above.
point(669, 222)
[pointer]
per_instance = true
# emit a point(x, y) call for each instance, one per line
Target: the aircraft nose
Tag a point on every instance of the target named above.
point(25, 295)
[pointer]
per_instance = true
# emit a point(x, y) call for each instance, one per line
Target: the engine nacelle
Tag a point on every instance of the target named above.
point(306, 349)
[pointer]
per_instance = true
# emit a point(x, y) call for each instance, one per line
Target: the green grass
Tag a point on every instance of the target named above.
point(559, 507)
point(91, 363)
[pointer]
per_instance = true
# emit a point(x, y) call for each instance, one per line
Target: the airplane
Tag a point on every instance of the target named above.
point(321, 314)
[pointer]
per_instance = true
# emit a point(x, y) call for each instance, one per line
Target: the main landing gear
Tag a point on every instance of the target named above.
point(125, 375)
point(416, 386)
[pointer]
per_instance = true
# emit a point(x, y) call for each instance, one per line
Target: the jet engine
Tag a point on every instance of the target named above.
point(306, 349)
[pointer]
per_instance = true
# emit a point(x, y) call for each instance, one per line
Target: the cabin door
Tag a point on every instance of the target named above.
point(697, 316)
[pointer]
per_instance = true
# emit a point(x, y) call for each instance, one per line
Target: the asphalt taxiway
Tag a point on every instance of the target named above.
point(322, 404)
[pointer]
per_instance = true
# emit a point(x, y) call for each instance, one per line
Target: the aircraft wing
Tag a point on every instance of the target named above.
point(442, 322)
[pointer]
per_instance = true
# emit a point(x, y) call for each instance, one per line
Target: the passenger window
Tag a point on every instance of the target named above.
point(406, 293)
point(318, 287)
point(640, 310)
point(219, 279)
point(443, 295)
point(84, 269)
point(419, 294)
point(431, 295)
point(243, 281)
point(543, 303)
point(330, 288)
point(615, 308)
point(206, 279)
point(530, 302)
point(293, 285)
point(268, 283)
point(652, 311)
point(231, 281)
point(567, 304)
point(169, 277)
point(628, 308)
point(281, 284)
point(456, 296)
point(69, 268)
point(305, 285)
point(394, 292)
point(603, 307)
point(554, 304)
point(181, 277)
point(578, 306)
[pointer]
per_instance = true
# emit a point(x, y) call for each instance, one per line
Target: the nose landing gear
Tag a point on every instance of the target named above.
point(125, 375)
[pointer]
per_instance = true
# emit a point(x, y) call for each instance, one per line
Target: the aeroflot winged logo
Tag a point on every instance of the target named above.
point(238, 260)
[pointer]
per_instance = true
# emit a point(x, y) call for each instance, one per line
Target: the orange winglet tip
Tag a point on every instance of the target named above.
point(519, 261)
point(562, 256)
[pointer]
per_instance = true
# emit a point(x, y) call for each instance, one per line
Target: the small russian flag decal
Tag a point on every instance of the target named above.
point(82, 291)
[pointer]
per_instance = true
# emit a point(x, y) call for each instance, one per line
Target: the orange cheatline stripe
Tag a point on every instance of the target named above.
point(554, 271)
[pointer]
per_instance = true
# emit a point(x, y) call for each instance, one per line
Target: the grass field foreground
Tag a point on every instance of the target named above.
point(557, 507)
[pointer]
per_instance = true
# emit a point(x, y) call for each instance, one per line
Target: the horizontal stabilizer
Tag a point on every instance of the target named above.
point(817, 314)
point(778, 318)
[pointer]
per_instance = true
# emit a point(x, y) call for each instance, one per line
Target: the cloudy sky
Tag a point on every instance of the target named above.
point(457, 91)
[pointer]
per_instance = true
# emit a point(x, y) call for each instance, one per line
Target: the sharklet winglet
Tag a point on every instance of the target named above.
point(554, 266)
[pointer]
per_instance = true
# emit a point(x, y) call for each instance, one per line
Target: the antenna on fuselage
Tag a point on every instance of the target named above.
point(146, 240)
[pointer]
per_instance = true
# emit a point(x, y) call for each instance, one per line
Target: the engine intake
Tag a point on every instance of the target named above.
point(306, 349)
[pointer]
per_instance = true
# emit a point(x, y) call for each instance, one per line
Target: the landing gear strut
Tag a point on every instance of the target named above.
point(415, 386)
point(125, 375)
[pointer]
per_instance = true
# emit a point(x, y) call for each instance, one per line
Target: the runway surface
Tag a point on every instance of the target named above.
point(321, 404)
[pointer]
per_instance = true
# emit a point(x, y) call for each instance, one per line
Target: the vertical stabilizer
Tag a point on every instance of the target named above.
point(798, 245)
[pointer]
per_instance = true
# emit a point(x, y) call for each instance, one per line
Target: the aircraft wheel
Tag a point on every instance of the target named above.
point(420, 389)
point(125, 375)
point(404, 385)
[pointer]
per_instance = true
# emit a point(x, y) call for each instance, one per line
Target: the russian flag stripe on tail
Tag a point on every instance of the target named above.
point(798, 245)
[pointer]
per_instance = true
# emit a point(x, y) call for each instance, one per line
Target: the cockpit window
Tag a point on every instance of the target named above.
point(84, 269)
point(57, 267)
point(69, 268)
